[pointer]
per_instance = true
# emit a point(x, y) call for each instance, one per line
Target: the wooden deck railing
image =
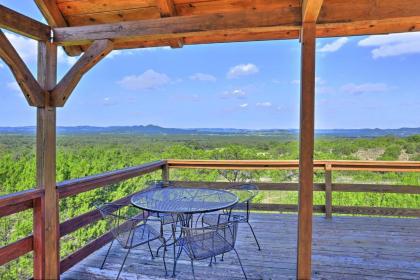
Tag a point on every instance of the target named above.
point(328, 166)
point(17, 202)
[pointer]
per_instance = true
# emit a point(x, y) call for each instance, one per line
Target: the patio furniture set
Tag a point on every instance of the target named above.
point(199, 222)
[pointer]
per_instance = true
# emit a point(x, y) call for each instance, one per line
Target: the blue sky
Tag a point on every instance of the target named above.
point(370, 81)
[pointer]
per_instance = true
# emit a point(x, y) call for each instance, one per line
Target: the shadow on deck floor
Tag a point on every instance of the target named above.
point(343, 248)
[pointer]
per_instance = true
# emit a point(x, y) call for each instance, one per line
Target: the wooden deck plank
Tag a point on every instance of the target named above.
point(343, 248)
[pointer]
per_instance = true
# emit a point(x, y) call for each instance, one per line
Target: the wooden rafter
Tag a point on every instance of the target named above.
point(33, 92)
point(55, 19)
point(167, 9)
point(97, 51)
point(23, 25)
point(310, 10)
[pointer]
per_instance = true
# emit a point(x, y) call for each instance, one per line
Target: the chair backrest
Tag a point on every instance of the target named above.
point(210, 241)
point(246, 193)
point(119, 221)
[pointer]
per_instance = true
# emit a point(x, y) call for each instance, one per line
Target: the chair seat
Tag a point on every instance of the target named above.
point(142, 234)
point(200, 248)
point(213, 219)
point(165, 218)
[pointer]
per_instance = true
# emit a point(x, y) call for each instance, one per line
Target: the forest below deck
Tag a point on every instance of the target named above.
point(83, 155)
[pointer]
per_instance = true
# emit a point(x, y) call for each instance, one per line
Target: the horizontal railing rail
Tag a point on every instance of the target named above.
point(328, 166)
point(17, 202)
point(343, 165)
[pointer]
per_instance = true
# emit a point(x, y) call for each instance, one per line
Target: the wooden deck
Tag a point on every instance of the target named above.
point(343, 248)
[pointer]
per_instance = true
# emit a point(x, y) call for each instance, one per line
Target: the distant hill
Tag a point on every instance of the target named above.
point(157, 130)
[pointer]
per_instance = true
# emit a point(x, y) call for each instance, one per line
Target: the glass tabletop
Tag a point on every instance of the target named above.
point(184, 200)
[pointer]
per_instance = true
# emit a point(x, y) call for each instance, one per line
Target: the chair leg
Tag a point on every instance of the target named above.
point(240, 263)
point(125, 258)
point(164, 259)
point(109, 249)
point(150, 249)
point(192, 268)
point(255, 237)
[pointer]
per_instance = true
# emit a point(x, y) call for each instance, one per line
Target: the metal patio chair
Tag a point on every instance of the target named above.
point(240, 212)
point(162, 218)
point(129, 230)
point(209, 242)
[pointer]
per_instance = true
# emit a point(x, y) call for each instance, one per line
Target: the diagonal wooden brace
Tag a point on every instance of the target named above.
point(96, 52)
point(34, 93)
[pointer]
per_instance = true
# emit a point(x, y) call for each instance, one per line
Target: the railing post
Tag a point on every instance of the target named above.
point(328, 191)
point(165, 174)
point(46, 224)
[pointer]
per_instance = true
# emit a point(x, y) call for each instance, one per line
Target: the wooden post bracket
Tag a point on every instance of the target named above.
point(95, 53)
point(34, 93)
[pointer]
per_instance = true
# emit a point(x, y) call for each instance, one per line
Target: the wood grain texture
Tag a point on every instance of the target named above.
point(338, 165)
point(345, 248)
point(172, 27)
point(15, 250)
point(306, 150)
point(20, 197)
point(23, 25)
point(336, 18)
point(46, 167)
point(34, 93)
point(53, 15)
point(310, 10)
point(15, 208)
point(95, 53)
point(82, 253)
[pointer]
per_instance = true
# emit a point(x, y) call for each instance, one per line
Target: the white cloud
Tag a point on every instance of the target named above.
point(237, 93)
point(62, 57)
point(27, 48)
point(334, 46)
point(244, 105)
point(242, 70)
point(263, 104)
point(149, 80)
point(364, 88)
point(1, 65)
point(202, 77)
point(107, 101)
point(392, 44)
point(13, 86)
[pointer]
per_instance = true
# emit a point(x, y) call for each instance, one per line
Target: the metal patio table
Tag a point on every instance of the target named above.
point(183, 203)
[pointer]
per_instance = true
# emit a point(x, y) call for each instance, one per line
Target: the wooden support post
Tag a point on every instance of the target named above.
point(165, 174)
point(307, 108)
point(328, 191)
point(47, 255)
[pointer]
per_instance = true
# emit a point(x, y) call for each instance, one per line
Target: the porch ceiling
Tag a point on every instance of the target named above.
point(213, 21)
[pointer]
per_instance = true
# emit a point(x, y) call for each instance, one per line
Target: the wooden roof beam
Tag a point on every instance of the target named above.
point(167, 9)
point(34, 93)
point(181, 26)
point(23, 25)
point(310, 10)
point(52, 14)
point(95, 53)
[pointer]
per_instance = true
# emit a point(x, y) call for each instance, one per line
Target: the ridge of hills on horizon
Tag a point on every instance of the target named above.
point(158, 130)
